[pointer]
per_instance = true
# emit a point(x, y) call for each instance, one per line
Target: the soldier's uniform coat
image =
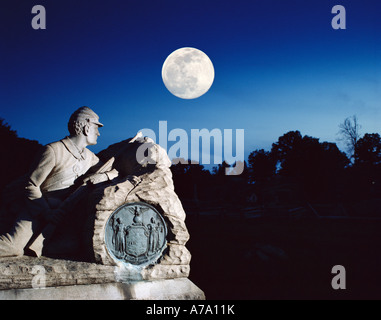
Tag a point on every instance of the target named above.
point(54, 172)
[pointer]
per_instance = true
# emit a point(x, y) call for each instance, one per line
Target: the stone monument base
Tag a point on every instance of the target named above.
point(28, 278)
point(169, 289)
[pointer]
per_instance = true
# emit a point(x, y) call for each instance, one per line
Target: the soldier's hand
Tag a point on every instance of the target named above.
point(96, 178)
point(54, 216)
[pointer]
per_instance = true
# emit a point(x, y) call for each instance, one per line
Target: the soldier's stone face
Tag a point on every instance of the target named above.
point(93, 134)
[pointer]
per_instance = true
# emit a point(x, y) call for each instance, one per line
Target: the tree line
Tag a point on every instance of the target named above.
point(298, 169)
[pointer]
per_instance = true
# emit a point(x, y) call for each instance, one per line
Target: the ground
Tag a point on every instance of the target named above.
point(283, 258)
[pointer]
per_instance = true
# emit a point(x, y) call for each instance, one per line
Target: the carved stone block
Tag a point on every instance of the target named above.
point(140, 185)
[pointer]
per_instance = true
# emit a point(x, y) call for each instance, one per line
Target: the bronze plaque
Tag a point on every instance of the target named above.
point(136, 233)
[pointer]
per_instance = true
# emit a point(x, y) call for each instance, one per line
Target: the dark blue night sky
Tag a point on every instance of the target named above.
point(279, 66)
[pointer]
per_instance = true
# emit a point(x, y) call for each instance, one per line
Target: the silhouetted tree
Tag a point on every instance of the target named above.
point(316, 167)
point(350, 135)
point(368, 150)
point(366, 171)
point(17, 154)
point(191, 180)
point(262, 165)
point(220, 170)
point(289, 153)
point(6, 133)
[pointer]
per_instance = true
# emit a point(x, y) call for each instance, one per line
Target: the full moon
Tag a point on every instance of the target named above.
point(188, 73)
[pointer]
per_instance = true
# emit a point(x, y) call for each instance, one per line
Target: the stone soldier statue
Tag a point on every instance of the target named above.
point(48, 183)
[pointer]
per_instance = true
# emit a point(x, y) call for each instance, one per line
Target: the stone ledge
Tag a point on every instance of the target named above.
point(18, 272)
point(170, 289)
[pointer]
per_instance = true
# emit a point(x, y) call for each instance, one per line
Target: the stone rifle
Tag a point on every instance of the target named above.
point(35, 243)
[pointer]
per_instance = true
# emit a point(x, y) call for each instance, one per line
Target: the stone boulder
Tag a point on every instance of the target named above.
point(144, 176)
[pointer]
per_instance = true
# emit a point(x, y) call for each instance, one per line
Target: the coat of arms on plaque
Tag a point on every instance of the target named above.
point(136, 233)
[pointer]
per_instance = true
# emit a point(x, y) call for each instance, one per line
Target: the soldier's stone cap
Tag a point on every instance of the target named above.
point(96, 122)
point(85, 114)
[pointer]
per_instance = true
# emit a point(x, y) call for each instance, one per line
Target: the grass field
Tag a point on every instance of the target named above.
point(283, 258)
